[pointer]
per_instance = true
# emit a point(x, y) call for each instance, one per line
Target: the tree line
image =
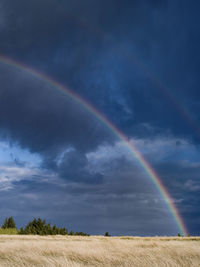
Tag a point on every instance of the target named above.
point(39, 227)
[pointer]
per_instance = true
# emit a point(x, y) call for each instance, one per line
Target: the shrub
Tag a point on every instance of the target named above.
point(78, 233)
point(81, 233)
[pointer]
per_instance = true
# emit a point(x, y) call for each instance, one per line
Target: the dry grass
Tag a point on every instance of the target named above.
point(98, 251)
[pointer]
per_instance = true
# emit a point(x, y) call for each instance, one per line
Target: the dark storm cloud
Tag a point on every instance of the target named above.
point(96, 208)
point(121, 202)
point(182, 182)
point(99, 49)
point(74, 167)
point(95, 47)
point(38, 117)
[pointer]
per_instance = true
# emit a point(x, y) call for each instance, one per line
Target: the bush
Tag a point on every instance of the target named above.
point(81, 233)
point(78, 233)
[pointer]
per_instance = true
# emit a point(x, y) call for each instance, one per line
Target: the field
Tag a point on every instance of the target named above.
point(8, 231)
point(16, 250)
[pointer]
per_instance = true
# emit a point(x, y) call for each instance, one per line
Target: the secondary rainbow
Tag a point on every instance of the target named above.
point(145, 165)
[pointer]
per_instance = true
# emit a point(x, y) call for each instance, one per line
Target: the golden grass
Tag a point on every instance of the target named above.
point(98, 251)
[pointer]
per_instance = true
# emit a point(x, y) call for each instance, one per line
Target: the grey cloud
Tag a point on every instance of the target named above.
point(74, 166)
point(95, 211)
point(120, 204)
point(96, 49)
point(192, 185)
point(40, 118)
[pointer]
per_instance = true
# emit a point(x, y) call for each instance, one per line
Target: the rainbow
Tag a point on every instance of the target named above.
point(145, 165)
point(182, 110)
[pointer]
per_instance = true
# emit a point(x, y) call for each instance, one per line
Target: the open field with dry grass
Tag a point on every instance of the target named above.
point(98, 251)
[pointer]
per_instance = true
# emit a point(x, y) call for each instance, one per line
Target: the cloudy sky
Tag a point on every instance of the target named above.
point(137, 63)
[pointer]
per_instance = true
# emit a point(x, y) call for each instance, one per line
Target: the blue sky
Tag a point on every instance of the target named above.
point(137, 62)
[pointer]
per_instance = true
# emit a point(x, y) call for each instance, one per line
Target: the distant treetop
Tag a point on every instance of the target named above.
point(9, 223)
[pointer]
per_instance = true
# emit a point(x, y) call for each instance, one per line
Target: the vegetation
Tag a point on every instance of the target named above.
point(80, 233)
point(8, 231)
point(107, 234)
point(35, 227)
point(39, 227)
point(9, 223)
point(8, 227)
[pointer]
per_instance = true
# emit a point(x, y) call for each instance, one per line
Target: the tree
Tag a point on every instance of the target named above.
point(40, 227)
point(71, 233)
point(107, 234)
point(5, 224)
point(81, 233)
point(9, 223)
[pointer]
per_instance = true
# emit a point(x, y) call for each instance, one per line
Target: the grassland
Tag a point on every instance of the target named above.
point(8, 231)
point(16, 250)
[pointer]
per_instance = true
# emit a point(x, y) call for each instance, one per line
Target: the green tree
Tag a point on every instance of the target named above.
point(40, 227)
point(107, 234)
point(81, 233)
point(9, 223)
point(71, 233)
point(5, 224)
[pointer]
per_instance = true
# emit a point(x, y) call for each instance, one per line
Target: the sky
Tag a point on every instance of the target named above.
point(137, 63)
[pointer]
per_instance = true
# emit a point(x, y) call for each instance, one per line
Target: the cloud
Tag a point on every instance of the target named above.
point(12, 173)
point(36, 116)
point(119, 200)
point(74, 166)
point(98, 49)
point(193, 186)
point(2, 18)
